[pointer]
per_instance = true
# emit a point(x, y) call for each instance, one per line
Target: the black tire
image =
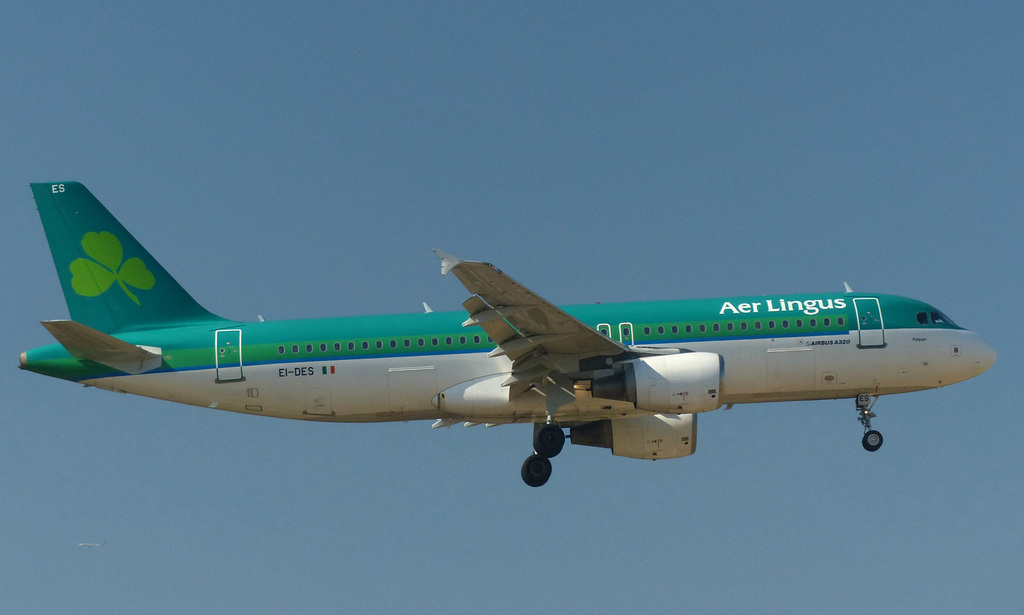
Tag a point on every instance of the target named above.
point(548, 440)
point(872, 441)
point(536, 470)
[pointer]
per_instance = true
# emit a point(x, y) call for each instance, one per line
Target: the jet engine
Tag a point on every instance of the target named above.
point(686, 382)
point(661, 436)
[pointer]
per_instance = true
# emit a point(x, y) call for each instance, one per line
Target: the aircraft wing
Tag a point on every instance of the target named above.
point(543, 341)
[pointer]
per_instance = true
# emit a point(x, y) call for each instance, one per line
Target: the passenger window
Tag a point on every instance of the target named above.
point(476, 339)
point(757, 325)
point(295, 349)
point(337, 345)
point(771, 324)
point(462, 339)
point(433, 341)
point(717, 327)
point(407, 343)
point(827, 322)
point(729, 326)
point(448, 341)
point(280, 350)
point(689, 328)
point(675, 329)
point(366, 345)
point(394, 343)
point(420, 342)
point(840, 321)
point(323, 347)
point(785, 324)
point(309, 347)
point(703, 328)
point(351, 345)
point(799, 323)
point(647, 330)
point(380, 344)
point(814, 322)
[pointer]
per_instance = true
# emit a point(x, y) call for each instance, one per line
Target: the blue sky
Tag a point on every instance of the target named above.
point(301, 161)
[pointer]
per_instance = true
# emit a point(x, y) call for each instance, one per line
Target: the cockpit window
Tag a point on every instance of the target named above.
point(933, 318)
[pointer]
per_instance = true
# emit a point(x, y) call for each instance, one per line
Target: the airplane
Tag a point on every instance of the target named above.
point(630, 377)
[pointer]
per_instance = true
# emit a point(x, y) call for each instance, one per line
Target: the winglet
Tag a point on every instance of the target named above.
point(448, 262)
point(847, 286)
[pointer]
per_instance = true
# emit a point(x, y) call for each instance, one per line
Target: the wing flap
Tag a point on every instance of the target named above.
point(543, 342)
point(512, 314)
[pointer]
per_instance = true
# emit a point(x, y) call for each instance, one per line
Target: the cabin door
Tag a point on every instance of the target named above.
point(626, 333)
point(228, 358)
point(869, 323)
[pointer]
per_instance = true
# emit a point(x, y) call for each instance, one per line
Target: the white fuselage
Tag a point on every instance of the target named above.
point(404, 388)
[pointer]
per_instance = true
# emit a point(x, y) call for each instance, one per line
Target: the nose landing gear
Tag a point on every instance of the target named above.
point(872, 440)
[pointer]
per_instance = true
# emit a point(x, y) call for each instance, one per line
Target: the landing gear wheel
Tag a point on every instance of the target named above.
point(872, 441)
point(548, 440)
point(536, 470)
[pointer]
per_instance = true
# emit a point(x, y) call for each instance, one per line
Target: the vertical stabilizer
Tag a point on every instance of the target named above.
point(110, 282)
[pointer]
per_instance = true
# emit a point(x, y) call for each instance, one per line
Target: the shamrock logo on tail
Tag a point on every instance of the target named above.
point(92, 278)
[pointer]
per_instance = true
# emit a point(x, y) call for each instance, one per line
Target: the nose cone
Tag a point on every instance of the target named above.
point(984, 355)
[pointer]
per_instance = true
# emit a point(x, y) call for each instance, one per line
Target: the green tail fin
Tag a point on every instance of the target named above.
point(110, 282)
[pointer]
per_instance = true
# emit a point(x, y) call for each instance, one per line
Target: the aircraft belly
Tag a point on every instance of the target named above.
point(402, 388)
point(196, 388)
point(359, 390)
point(792, 368)
point(782, 370)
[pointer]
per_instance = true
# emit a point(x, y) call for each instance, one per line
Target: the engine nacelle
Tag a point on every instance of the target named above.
point(661, 436)
point(686, 382)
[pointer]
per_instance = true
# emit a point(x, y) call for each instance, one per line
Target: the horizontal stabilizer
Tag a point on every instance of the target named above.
point(87, 343)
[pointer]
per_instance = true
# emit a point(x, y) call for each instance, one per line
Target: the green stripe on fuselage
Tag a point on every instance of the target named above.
point(192, 348)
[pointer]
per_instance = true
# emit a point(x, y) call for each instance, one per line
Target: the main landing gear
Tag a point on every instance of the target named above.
point(548, 440)
point(872, 440)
